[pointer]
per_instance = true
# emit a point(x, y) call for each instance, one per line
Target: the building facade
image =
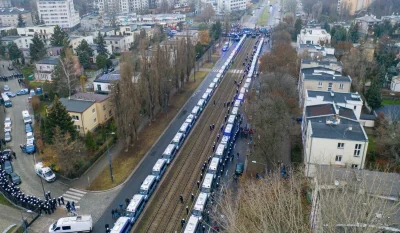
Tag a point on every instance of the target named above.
point(44, 32)
point(45, 67)
point(103, 83)
point(5, 3)
point(22, 42)
point(366, 24)
point(59, 12)
point(119, 43)
point(9, 16)
point(231, 5)
point(313, 36)
point(353, 5)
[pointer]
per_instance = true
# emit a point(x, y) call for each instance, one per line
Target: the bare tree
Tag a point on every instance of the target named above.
point(207, 13)
point(290, 6)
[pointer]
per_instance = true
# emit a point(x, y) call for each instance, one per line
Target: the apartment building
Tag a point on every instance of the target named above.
point(75, 41)
point(231, 5)
point(366, 24)
point(353, 5)
point(22, 42)
point(122, 6)
point(59, 12)
point(43, 31)
point(9, 16)
point(119, 43)
point(5, 3)
point(313, 36)
point(333, 137)
point(45, 67)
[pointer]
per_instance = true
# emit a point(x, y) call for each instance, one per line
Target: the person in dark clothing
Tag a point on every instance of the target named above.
point(181, 198)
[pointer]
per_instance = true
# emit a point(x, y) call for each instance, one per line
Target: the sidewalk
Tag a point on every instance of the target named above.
point(8, 216)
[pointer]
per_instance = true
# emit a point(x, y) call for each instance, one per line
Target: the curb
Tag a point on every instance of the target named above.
point(9, 227)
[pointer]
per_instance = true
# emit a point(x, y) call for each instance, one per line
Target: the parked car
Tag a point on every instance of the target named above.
point(24, 91)
point(7, 136)
point(6, 88)
point(10, 94)
point(44, 172)
point(239, 169)
point(7, 166)
point(7, 128)
point(7, 121)
point(10, 67)
point(14, 178)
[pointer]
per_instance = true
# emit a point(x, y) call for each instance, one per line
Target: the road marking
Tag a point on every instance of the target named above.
point(77, 191)
point(73, 195)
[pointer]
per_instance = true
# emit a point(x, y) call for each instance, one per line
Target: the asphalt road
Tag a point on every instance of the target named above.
point(133, 184)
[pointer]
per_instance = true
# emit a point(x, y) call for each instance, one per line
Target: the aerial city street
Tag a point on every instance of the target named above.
point(198, 116)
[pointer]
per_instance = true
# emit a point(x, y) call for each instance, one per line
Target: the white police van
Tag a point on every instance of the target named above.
point(209, 91)
point(214, 165)
point(235, 111)
point(122, 225)
point(231, 119)
point(190, 120)
point(212, 86)
point(228, 130)
point(225, 140)
point(159, 168)
point(81, 223)
point(208, 183)
point(185, 129)
point(241, 97)
point(148, 186)
point(169, 153)
point(206, 97)
point(193, 225)
point(220, 152)
point(201, 104)
point(236, 103)
point(246, 86)
point(178, 140)
point(135, 207)
point(200, 205)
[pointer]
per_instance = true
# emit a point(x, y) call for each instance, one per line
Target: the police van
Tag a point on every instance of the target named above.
point(216, 81)
point(26, 117)
point(212, 86)
point(159, 168)
point(225, 140)
point(200, 205)
point(193, 225)
point(232, 119)
point(214, 165)
point(7, 102)
point(242, 90)
point(178, 140)
point(190, 120)
point(169, 153)
point(220, 152)
point(206, 97)
point(209, 91)
point(122, 225)
point(228, 130)
point(81, 223)
point(241, 97)
point(246, 86)
point(196, 111)
point(135, 207)
point(236, 103)
point(208, 183)
point(148, 186)
point(219, 76)
point(185, 129)
point(235, 111)
point(201, 104)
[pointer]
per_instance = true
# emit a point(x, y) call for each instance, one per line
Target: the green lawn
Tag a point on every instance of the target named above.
point(27, 70)
point(391, 102)
point(4, 201)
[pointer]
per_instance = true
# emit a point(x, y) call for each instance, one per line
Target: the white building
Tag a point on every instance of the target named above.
point(231, 5)
point(103, 83)
point(316, 52)
point(21, 42)
point(60, 12)
point(119, 43)
point(9, 16)
point(5, 3)
point(313, 36)
point(45, 67)
point(395, 84)
point(332, 139)
point(43, 31)
point(75, 41)
point(121, 6)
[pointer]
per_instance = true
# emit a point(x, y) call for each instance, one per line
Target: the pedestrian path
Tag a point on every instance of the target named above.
point(73, 195)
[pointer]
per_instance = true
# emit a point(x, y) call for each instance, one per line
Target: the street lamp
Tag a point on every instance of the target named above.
point(109, 156)
point(23, 220)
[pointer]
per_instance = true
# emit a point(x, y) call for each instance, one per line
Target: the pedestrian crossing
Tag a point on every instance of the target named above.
point(215, 70)
point(73, 195)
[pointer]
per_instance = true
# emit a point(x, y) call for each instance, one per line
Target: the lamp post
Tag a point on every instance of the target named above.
point(109, 156)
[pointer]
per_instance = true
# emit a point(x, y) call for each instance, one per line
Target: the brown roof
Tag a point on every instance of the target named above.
point(89, 96)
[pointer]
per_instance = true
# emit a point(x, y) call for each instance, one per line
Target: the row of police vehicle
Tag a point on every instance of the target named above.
point(138, 202)
point(224, 148)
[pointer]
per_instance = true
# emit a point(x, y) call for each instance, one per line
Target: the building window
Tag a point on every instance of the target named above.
point(76, 118)
point(341, 85)
point(354, 166)
point(338, 158)
point(340, 145)
point(104, 107)
point(95, 120)
point(330, 87)
point(357, 150)
point(93, 110)
point(319, 84)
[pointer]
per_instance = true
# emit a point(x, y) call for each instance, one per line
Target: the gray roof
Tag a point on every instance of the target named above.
point(108, 78)
point(320, 129)
point(12, 11)
point(114, 38)
point(49, 61)
point(89, 97)
point(335, 97)
point(327, 77)
point(10, 38)
point(107, 29)
point(329, 110)
point(76, 105)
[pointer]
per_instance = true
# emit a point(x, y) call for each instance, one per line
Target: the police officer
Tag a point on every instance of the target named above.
point(181, 198)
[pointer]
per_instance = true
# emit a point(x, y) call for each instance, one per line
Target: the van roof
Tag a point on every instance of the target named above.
point(235, 110)
point(177, 137)
point(208, 179)
point(147, 182)
point(201, 201)
point(209, 90)
point(135, 201)
point(158, 165)
point(199, 103)
point(246, 85)
point(241, 96)
point(192, 224)
point(237, 103)
point(228, 128)
point(231, 119)
point(79, 218)
point(225, 139)
point(219, 75)
point(205, 95)
point(242, 90)
point(215, 80)
point(212, 85)
point(214, 163)
point(119, 224)
point(220, 149)
point(169, 149)
point(184, 127)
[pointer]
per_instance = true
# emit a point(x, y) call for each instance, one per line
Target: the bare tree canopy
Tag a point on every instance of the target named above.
point(207, 13)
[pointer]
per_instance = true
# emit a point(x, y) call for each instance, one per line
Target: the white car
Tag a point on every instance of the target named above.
point(7, 128)
point(29, 138)
point(7, 122)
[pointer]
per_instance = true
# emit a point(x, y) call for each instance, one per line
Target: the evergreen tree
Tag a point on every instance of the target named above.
point(59, 37)
point(101, 45)
point(90, 142)
point(58, 117)
point(21, 22)
point(101, 61)
point(14, 52)
point(373, 96)
point(37, 18)
point(84, 52)
point(37, 49)
point(353, 33)
point(297, 28)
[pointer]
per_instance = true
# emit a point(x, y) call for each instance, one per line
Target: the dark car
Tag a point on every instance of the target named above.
point(15, 178)
point(6, 154)
point(239, 169)
point(7, 166)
